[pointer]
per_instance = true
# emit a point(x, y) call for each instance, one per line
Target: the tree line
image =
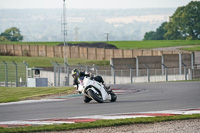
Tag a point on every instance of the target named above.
point(184, 24)
point(11, 34)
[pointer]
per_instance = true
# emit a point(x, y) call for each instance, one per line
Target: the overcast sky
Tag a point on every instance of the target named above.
point(109, 4)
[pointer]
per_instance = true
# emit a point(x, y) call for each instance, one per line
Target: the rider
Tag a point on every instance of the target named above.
point(79, 76)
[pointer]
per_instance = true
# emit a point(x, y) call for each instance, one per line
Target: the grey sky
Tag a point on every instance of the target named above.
point(16, 4)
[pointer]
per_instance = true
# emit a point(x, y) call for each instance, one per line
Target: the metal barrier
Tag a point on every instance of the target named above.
point(14, 74)
point(111, 75)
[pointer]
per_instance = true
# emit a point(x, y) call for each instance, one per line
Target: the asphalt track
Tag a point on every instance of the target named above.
point(140, 97)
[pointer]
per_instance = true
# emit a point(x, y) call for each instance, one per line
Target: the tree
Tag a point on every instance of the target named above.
point(160, 31)
point(156, 35)
point(172, 32)
point(184, 23)
point(11, 34)
point(149, 35)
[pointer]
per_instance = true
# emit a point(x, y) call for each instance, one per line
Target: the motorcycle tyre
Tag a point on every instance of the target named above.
point(86, 99)
point(95, 96)
point(113, 96)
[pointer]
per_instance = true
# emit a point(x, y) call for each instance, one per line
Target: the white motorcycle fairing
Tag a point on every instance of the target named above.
point(98, 88)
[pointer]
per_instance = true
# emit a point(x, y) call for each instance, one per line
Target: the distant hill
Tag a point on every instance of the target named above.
point(84, 24)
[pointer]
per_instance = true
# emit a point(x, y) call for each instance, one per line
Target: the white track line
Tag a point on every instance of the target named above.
point(178, 112)
point(33, 122)
point(31, 101)
point(111, 117)
point(108, 116)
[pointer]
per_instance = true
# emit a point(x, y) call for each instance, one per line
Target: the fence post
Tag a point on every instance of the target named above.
point(148, 72)
point(190, 74)
point(87, 53)
point(185, 70)
point(6, 73)
point(113, 73)
point(16, 76)
point(192, 60)
point(162, 62)
point(58, 73)
point(21, 51)
point(131, 74)
point(53, 50)
point(180, 63)
point(54, 67)
point(96, 68)
point(6, 49)
point(166, 71)
point(67, 78)
point(95, 53)
point(137, 67)
point(45, 49)
point(26, 72)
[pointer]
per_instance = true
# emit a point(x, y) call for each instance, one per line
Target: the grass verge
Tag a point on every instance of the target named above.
point(11, 94)
point(197, 48)
point(32, 43)
point(97, 124)
point(152, 44)
point(46, 61)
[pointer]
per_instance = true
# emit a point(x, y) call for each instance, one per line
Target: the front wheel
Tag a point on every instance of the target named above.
point(113, 96)
point(95, 96)
point(86, 99)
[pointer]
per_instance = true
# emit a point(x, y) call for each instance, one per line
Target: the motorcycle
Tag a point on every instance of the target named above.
point(92, 89)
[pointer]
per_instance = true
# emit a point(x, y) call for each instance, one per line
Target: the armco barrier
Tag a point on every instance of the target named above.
point(121, 76)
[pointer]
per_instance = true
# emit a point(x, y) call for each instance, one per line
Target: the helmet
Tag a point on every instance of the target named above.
point(75, 73)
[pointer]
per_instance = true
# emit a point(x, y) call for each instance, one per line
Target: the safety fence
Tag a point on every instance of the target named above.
point(120, 76)
point(14, 74)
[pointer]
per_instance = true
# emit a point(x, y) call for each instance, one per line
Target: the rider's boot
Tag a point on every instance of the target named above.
point(107, 88)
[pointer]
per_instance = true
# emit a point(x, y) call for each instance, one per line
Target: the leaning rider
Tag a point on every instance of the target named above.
point(79, 76)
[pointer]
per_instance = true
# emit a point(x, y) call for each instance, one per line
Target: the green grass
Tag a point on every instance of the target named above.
point(11, 94)
point(46, 61)
point(197, 48)
point(99, 123)
point(125, 44)
point(153, 44)
point(32, 43)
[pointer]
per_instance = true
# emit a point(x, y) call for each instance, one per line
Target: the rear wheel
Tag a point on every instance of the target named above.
point(95, 96)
